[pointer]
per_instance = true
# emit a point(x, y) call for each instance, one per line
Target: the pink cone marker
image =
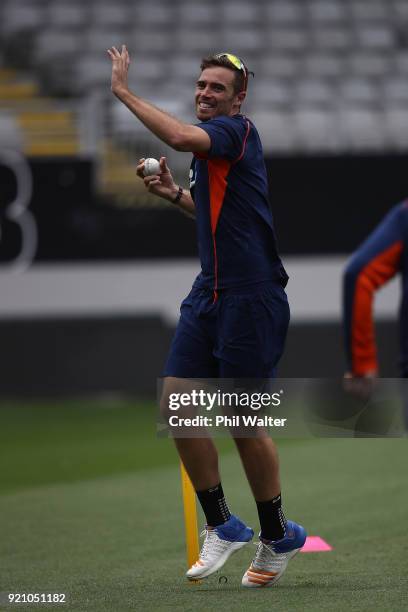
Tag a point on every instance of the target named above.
point(315, 544)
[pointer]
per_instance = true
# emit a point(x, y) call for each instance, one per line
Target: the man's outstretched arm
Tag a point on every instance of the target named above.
point(374, 263)
point(178, 135)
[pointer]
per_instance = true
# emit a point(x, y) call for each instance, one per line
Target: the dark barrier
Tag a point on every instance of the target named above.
point(72, 223)
point(321, 205)
point(329, 204)
point(53, 357)
point(56, 357)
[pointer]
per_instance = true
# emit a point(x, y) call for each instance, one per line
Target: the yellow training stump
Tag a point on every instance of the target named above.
point(190, 519)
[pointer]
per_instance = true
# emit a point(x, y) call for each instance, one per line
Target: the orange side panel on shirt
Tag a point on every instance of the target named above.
point(373, 276)
point(217, 174)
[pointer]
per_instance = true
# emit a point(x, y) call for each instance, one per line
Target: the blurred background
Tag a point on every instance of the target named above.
point(92, 268)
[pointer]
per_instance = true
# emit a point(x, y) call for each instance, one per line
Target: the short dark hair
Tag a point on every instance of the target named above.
point(239, 81)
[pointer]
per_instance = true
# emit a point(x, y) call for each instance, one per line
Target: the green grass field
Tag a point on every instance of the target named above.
point(90, 506)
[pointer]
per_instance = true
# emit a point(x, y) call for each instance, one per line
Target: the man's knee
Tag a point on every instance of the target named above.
point(164, 407)
point(170, 401)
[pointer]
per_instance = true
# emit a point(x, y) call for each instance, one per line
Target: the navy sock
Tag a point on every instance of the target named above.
point(214, 505)
point(271, 518)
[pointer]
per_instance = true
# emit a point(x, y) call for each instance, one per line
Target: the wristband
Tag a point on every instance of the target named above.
point(178, 196)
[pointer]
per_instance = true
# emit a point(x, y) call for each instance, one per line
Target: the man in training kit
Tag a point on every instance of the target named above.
point(378, 259)
point(233, 323)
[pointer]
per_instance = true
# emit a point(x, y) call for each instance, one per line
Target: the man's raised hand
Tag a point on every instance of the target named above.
point(120, 67)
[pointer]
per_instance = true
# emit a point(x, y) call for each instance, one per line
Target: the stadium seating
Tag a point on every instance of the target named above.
point(329, 69)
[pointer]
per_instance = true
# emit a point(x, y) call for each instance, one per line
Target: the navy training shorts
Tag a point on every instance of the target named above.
point(240, 335)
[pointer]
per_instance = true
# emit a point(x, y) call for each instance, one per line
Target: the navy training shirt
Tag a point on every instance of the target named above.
point(229, 187)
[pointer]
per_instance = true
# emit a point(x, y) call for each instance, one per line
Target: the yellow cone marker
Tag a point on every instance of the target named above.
point(190, 518)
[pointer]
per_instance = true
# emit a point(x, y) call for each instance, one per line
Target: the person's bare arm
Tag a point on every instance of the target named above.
point(178, 135)
point(164, 186)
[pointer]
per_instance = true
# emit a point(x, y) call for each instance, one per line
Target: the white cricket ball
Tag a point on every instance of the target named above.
point(151, 166)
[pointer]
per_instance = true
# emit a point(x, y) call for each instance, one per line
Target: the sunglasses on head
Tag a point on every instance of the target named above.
point(237, 63)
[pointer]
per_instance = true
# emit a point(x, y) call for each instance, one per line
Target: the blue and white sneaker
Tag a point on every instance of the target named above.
point(272, 558)
point(219, 544)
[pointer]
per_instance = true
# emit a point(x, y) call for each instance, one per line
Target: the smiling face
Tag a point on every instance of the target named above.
point(215, 95)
